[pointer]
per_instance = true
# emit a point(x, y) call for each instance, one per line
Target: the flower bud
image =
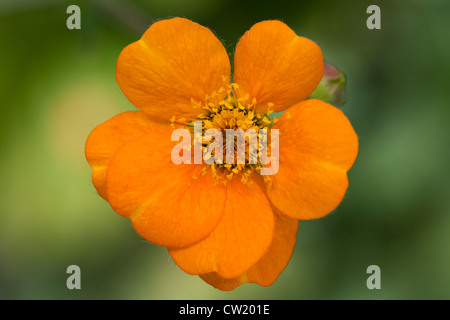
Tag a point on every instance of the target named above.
point(331, 88)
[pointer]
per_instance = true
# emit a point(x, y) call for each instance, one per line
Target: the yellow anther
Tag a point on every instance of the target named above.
point(229, 105)
point(266, 120)
point(224, 114)
point(208, 124)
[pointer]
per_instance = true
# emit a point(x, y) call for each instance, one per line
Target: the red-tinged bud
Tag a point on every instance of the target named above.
point(331, 88)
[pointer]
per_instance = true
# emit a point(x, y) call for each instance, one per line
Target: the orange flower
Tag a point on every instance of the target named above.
point(226, 223)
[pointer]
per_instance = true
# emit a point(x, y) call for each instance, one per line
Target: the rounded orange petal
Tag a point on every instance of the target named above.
point(176, 60)
point(106, 138)
point(273, 64)
point(169, 205)
point(240, 239)
point(317, 147)
point(271, 264)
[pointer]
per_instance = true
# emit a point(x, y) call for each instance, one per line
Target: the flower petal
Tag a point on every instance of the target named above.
point(169, 205)
point(317, 147)
point(272, 263)
point(176, 60)
point(106, 138)
point(273, 64)
point(241, 238)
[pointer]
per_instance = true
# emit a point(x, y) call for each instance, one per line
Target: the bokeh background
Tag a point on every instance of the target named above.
point(57, 84)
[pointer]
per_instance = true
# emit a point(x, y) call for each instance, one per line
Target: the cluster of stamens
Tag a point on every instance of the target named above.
point(234, 113)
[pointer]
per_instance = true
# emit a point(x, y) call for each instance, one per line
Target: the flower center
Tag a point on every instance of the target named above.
point(244, 135)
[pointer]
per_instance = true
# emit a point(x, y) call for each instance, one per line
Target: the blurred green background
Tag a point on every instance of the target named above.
point(57, 84)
